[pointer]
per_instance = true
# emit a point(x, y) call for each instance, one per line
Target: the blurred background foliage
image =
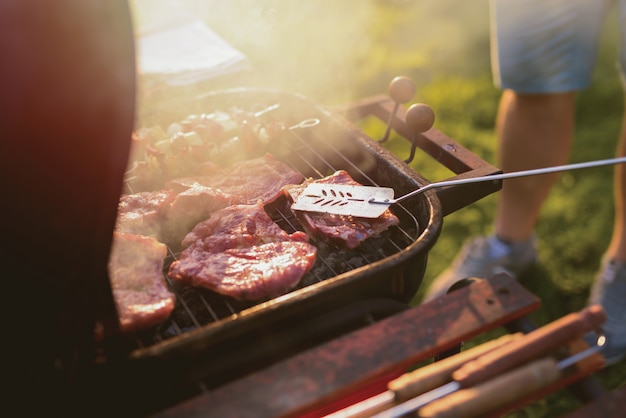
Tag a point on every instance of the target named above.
point(339, 51)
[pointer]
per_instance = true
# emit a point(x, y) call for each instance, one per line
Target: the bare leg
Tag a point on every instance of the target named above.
point(609, 287)
point(617, 247)
point(535, 131)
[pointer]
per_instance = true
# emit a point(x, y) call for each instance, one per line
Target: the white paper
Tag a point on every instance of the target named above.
point(185, 51)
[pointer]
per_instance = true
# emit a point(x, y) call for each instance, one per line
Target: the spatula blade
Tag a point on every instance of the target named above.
point(343, 199)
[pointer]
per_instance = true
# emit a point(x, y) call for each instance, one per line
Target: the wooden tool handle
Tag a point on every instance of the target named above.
point(436, 374)
point(495, 393)
point(533, 345)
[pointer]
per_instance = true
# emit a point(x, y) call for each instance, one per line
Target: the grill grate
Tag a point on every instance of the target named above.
point(315, 152)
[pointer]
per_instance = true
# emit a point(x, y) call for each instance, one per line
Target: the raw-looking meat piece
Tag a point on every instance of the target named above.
point(139, 289)
point(342, 230)
point(240, 252)
point(189, 207)
point(169, 214)
point(248, 181)
point(250, 273)
point(180, 184)
point(258, 179)
point(239, 226)
point(143, 213)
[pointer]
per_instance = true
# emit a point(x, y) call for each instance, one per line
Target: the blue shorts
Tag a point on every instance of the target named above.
point(550, 46)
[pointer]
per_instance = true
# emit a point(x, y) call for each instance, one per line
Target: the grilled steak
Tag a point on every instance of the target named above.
point(341, 230)
point(258, 179)
point(139, 289)
point(246, 182)
point(240, 252)
point(169, 214)
point(191, 206)
point(143, 213)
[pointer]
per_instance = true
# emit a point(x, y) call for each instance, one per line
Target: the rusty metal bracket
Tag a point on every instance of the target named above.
point(436, 144)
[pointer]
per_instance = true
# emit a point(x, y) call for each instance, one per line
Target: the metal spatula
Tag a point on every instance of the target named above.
point(372, 201)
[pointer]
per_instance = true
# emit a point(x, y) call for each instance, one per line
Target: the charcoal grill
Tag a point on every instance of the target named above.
point(211, 340)
point(68, 129)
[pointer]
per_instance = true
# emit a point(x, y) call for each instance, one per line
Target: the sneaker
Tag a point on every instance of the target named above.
point(609, 291)
point(484, 257)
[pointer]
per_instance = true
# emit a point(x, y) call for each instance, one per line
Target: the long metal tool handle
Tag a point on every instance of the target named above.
point(510, 387)
point(495, 393)
point(421, 380)
point(453, 400)
point(533, 345)
point(503, 176)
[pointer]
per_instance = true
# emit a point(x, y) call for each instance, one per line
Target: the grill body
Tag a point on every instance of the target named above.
point(211, 340)
point(216, 339)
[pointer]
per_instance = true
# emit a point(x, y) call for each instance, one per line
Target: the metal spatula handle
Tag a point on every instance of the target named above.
point(373, 201)
point(514, 174)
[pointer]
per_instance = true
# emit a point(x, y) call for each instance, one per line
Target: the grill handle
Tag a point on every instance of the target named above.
point(433, 142)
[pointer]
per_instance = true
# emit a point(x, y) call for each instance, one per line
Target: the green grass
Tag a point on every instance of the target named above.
point(338, 51)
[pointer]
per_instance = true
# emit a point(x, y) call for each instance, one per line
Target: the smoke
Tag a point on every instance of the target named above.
point(336, 51)
point(308, 47)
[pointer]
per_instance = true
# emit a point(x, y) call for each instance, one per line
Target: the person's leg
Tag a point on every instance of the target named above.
point(617, 247)
point(609, 286)
point(544, 50)
point(535, 131)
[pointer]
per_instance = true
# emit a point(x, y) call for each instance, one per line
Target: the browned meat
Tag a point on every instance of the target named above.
point(239, 226)
point(168, 215)
point(139, 288)
point(342, 230)
point(258, 179)
point(248, 181)
point(240, 252)
point(171, 213)
point(191, 206)
point(143, 213)
point(250, 273)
